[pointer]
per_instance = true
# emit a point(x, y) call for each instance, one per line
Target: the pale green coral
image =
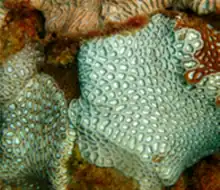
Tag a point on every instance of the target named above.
point(35, 132)
point(136, 112)
point(211, 85)
point(17, 70)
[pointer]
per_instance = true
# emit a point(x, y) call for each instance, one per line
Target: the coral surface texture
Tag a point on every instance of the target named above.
point(136, 112)
point(35, 133)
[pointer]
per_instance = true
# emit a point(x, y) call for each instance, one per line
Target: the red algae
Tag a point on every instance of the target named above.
point(207, 174)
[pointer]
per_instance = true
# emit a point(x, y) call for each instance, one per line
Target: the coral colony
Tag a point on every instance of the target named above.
point(136, 112)
point(149, 91)
point(35, 127)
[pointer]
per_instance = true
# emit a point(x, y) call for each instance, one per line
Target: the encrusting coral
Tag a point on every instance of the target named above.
point(36, 137)
point(14, 78)
point(136, 113)
point(38, 164)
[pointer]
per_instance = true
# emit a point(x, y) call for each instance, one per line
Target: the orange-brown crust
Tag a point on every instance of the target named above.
point(218, 8)
point(65, 76)
point(111, 28)
point(18, 27)
point(86, 176)
point(205, 175)
point(19, 4)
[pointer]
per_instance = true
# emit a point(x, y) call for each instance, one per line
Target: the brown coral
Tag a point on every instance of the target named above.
point(75, 18)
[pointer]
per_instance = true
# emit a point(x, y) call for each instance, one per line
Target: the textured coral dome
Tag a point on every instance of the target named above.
point(136, 112)
point(35, 133)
